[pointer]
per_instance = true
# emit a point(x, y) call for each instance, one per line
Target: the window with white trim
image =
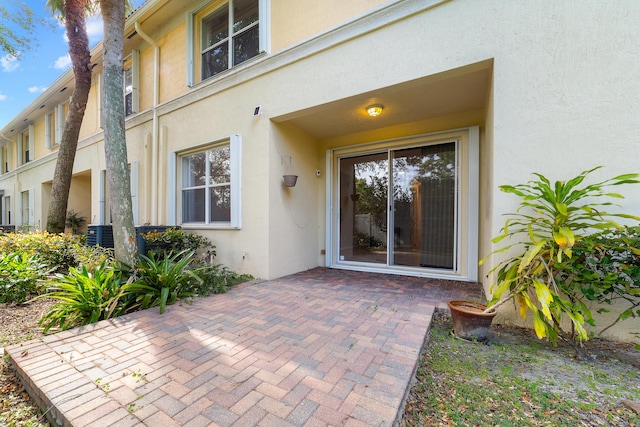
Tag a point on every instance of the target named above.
point(209, 184)
point(26, 145)
point(60, 117)
point(50, 130)
point(27, 202)
point(6, 213)
point(104, 206)
point(223, 35)
point(128, 92)
point(4, 159)
point(131, 84)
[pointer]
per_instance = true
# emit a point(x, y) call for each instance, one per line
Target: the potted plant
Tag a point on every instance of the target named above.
point(539, 239)
point(75, 221)
point(471, 320)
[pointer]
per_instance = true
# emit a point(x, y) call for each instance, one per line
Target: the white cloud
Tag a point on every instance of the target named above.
point(63, 62)
point(36, 89)
point(94, 29)
point(2, 97)
point(9, 63)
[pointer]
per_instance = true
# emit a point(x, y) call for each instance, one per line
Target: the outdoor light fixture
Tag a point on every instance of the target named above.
point(374, 110)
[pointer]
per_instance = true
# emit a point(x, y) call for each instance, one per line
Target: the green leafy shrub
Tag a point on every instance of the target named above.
point(58, 251)
point(84, 297)
point(160, 282)
point(215, 279)
point(20, 275)
point(605, 267)
point(175, 240)
point(93, 257)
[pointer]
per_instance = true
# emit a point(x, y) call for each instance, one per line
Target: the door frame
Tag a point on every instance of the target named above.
point(468, 144)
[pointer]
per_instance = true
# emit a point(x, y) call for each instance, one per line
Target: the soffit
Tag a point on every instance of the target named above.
point(445, 94)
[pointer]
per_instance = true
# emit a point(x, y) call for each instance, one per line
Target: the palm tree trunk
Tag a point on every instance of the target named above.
point(75, 23)
point(115, 145)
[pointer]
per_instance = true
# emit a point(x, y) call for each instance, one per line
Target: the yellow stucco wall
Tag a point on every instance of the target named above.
point(173, 57)
point(294, 20)
point(90, 122)
point(146, 78)
point(40, 149)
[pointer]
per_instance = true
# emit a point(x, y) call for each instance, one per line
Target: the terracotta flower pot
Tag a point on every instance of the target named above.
point(469, 321)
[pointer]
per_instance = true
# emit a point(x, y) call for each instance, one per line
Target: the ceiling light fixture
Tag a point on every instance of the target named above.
point(375, 110)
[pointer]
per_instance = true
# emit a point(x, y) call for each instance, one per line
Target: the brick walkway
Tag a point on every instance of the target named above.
point(318, 348)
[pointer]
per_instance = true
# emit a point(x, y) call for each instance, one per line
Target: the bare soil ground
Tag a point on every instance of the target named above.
point(19, 323)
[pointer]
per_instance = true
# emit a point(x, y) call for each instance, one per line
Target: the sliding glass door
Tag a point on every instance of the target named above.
point(399, 207)
point(364, 182)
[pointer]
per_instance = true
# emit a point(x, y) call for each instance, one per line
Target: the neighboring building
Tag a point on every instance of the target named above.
point(225, 97)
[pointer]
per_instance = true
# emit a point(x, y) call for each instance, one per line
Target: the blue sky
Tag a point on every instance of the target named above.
point(23, 80)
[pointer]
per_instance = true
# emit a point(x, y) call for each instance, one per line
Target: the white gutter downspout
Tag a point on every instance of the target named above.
point(154, 138)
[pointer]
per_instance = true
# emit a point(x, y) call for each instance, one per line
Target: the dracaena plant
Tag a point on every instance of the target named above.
point(540, 236)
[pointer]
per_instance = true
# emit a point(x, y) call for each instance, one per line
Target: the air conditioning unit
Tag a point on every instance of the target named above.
point(101, 235)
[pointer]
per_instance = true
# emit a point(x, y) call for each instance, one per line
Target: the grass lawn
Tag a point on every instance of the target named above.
point(517, 380)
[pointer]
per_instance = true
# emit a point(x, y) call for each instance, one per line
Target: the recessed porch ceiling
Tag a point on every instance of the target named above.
point(445, 94)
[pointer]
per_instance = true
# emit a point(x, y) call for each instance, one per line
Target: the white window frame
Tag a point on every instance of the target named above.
point(6, 210)
point(4, 151)
point(30, 149)
point(135, 82)
point(30, 214)
point(53, 127)
point(192, 24)
point(134, 177)
point(49, 141)
point(175, 185)
point(469, 172)
point(60, 119)
point(104, 217)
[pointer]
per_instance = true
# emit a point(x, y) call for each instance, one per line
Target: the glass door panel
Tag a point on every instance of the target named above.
point(424, 202)
point(363, 208)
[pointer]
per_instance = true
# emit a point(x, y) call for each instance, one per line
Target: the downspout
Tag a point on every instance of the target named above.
point(154, 138)
point(5, 138)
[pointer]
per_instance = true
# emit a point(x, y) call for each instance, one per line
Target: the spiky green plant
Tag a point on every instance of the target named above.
point(84, 297)
point(160, 282)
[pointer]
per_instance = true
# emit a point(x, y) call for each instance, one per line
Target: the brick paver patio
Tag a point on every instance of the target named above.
point(319, 348)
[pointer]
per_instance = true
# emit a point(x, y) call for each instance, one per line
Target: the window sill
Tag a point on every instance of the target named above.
point(197, 226)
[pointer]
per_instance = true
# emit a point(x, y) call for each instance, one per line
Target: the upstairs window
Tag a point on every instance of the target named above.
point(131, 84)
point(128, 92)
point(52, 131)
point(4, 159)
point(25, 146)
point(224, 35)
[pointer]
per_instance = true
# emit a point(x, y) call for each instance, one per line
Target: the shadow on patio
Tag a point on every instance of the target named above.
point(317, 348)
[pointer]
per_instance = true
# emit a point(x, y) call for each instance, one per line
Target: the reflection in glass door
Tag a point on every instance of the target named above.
point(409, 220)
point(363, 208)
point(424, 183)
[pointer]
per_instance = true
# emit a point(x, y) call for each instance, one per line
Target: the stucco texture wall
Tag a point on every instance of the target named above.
point(563, 96)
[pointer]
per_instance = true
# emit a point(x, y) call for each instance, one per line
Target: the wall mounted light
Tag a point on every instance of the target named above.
point(289, 179)
point(374, 110)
